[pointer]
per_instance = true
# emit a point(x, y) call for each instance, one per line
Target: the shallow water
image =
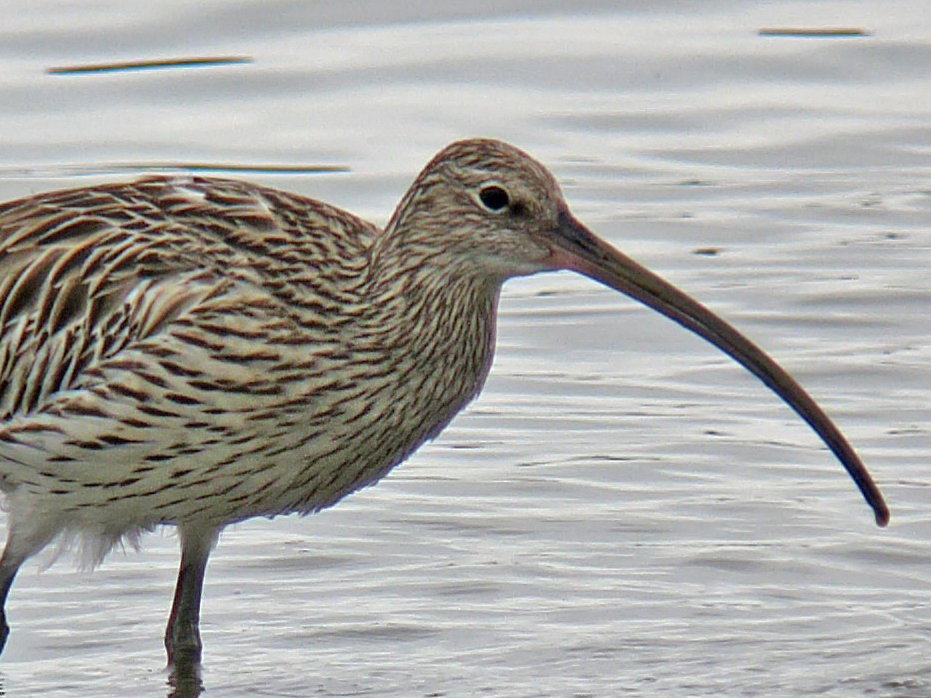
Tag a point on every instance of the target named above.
point(623, 510)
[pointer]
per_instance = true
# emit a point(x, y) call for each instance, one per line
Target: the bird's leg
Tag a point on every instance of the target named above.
point(182, 636)
point(8, 569)
point(21, 543)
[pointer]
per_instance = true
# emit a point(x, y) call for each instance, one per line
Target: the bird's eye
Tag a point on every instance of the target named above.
point(494, 197)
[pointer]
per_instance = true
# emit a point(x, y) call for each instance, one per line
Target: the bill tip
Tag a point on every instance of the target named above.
point(882, 517)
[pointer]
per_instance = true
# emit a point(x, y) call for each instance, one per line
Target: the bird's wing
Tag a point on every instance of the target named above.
point(90, 275)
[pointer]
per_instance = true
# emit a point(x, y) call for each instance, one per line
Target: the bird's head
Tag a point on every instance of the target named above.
point(483, 205)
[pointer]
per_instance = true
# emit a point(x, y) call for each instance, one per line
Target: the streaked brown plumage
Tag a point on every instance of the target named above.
point(194, 351)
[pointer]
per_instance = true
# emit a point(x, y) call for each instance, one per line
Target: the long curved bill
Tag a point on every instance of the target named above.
point(574, 247)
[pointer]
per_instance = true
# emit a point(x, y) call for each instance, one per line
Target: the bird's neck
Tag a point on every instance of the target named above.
point(433, 327)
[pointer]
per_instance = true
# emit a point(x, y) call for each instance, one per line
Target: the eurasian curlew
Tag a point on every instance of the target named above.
point(194, 351)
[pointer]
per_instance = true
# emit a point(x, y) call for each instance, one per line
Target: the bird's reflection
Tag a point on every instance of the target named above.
point(184, 680)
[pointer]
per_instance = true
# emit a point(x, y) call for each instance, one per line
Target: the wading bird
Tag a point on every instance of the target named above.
point(194, 351)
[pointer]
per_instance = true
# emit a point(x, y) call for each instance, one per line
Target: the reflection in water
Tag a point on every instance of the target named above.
point(185, 681)
point(199, 62)
point(108, 168)
point(815, 33)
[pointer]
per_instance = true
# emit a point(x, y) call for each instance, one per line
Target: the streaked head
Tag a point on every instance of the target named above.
point(487, 203)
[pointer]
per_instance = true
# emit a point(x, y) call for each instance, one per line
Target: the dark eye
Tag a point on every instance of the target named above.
point(494, 197)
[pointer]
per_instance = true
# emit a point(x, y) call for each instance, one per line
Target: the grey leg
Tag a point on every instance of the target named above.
point(182, 636)
point(21, 543)
point(8, 569)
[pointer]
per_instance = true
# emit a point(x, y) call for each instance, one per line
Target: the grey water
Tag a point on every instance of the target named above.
point(623, 511)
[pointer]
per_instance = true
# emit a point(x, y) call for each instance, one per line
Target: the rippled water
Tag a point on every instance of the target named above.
point(623, 511)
